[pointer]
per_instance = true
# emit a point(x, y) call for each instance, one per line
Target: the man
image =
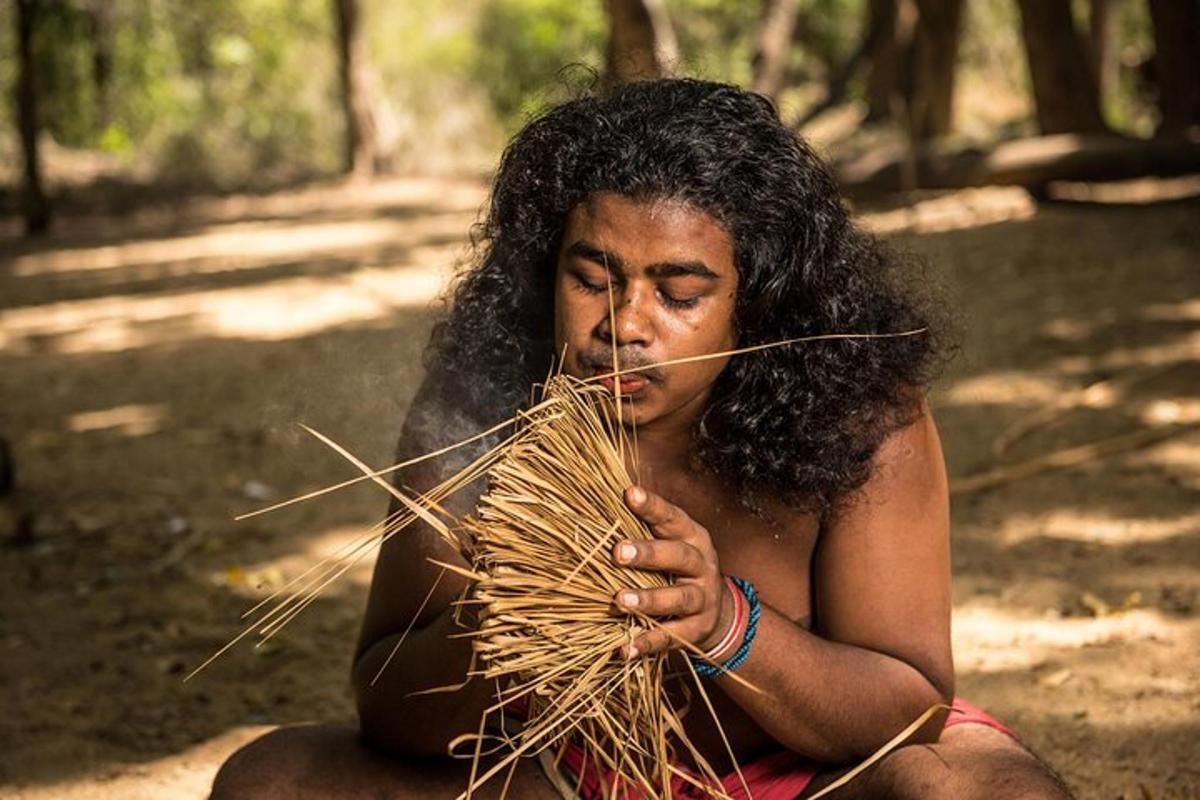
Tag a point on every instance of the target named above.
point(812, 471)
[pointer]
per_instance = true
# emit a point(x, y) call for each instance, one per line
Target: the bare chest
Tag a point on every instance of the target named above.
point(773, 549)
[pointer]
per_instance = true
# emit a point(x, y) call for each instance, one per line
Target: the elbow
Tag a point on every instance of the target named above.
point(385, 722)
point(932, 696)
point(392, 724)
point(381, 733)
point(935, 698)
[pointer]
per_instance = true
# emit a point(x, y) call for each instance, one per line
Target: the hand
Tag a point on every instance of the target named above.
point(699, 602)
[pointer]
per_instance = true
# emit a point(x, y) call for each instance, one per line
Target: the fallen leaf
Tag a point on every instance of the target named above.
point(1056, 678)
point(1094, 604)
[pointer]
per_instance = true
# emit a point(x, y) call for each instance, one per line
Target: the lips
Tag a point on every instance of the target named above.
point(630, 384)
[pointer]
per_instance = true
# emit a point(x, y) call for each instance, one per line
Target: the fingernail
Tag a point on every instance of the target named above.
point(630, 599)
point(637, 495)
point(626, 553)
point(631, 651)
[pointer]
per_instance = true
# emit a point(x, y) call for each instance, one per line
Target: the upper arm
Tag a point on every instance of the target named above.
point(882, 568)
point(403, 574)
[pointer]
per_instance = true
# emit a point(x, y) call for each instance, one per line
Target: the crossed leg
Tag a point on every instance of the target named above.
point(327, 762)
point(315, 762)
point(969, 762)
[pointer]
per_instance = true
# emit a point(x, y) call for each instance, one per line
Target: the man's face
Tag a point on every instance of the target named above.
point(673, 284)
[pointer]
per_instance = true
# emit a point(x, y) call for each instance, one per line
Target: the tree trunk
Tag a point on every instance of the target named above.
point(1031, 163)
point(1101, 28)
point(839, 82)
point(890, 26)
point(935, 52)
point(641, 41)
point(776, 26)
point(361, 147)
point(1059, 70)
point(98, 14)
point(1177, 62)
point(35, 206)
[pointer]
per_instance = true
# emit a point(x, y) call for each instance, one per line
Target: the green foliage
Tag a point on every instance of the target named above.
point(424, 51)
point(522, 47)
point(716, 38)
point(1130, 105)
point(831, 30)
point(222, 92)
point(8, 64)
point(69, 102)
point(994, 97)
point(215, 91)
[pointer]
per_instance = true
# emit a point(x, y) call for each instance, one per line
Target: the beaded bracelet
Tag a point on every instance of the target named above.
point(707, 670)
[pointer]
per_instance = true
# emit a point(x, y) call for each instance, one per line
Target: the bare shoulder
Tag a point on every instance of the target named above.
point(908, 474)
point(882, 568)
point(404, 570)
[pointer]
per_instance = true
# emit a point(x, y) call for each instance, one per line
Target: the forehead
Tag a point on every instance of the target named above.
point(651, 231)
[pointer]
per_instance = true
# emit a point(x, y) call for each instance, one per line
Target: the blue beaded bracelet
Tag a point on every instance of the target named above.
point(707, 670)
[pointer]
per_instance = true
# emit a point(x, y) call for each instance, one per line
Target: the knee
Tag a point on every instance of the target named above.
point(1000, 772)
point(265, 768)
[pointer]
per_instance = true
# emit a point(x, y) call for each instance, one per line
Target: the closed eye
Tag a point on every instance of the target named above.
point(589, 286)
point(671, 301)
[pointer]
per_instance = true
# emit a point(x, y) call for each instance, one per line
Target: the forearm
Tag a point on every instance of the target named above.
point(391, 717)
point(829, 701)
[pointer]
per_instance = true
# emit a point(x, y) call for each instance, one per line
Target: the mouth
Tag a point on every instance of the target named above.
point(630, 384)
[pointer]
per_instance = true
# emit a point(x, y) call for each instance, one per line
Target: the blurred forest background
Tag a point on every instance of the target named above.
point(230, 94)
point(222, 217)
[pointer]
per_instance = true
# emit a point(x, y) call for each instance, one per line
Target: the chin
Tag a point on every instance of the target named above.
point(637, 411)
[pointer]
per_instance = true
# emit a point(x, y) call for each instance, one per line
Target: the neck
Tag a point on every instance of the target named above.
point(664, 447)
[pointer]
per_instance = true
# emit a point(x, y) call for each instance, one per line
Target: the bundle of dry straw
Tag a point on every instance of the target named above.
point(542, 586)
point(540, 547)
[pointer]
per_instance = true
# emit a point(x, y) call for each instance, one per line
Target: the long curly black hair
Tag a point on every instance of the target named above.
point(798, 423)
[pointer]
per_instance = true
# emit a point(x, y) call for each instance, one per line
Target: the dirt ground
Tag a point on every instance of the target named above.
point(153, 367)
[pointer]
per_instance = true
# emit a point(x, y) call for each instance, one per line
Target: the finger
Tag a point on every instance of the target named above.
point(665, 555)
point(681, 601)
point(669, 635)
point(667, 519)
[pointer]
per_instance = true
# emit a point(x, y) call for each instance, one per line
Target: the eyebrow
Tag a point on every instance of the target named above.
point(661, 269)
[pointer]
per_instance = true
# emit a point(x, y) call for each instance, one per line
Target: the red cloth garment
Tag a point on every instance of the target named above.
point(777, 776)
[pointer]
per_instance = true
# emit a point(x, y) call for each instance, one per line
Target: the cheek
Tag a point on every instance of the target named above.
point(703, 376)
point(706, 333)
point(559, 318)
point(565, 313)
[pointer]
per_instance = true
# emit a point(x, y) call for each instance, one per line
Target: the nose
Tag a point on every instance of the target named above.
point(632, 325)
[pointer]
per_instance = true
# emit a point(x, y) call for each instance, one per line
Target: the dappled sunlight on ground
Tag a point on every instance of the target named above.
point(1008, 387)
point(1188, 311)
point(290, 274)
point(185, 774)
point(259, 580)
point(1081, 526)
point(951, 211)
point(1134, 190)
point(134, 419)
point(277, 310)
point(237, 246)
point(990, 639)
point(1180, 459)
point(1184, 347)
point(1161, 412)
